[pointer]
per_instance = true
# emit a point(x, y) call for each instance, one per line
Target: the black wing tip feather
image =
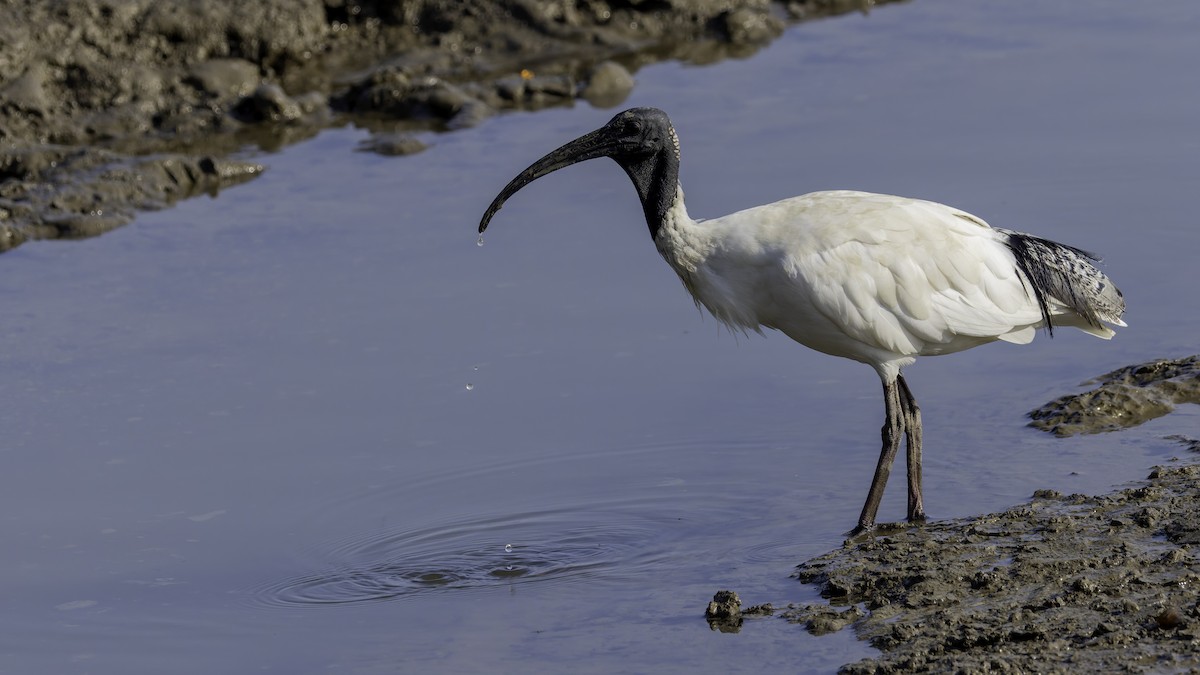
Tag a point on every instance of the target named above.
point(1052, 270)
point(1019, 244)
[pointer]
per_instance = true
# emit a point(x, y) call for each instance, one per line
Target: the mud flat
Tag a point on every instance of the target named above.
point(110, 106)
point(1063, 584)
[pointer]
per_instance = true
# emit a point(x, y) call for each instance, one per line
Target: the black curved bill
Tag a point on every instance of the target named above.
point(599, 143)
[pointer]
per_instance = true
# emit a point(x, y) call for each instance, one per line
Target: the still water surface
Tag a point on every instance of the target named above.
point(310, 426)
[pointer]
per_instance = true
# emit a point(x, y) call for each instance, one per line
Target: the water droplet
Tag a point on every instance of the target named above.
point(479, 241)
point(470, 386)
point(508, 548)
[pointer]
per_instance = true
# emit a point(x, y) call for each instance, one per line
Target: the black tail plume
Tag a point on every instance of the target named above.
point(1068, 276)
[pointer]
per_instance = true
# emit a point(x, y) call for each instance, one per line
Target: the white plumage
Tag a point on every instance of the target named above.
point(870, 277)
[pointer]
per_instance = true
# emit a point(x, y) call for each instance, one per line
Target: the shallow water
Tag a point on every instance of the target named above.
point(240, 433)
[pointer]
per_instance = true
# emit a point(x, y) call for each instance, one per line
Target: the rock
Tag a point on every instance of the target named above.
point(392, 144)
point(724, 613)
point(268, 103)
point(470, 114)
point(224, 78)
point(28, 92)
point(724, 605)
point(750, 25)
point(608, 85)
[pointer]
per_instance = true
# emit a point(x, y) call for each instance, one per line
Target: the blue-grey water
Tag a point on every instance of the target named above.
point(310, 426)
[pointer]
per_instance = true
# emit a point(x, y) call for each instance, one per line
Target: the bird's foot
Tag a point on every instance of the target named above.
point(864, 531)
point(859, 530)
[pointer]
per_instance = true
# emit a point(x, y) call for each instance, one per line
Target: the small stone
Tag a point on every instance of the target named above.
point(392, 144)
point(551, 86)
point(28, 92)
point(746, 26)
point(1169, 619)
point(724, 605)
point(267, 103)
point(1085, 586)
point(224, 78)
point(724, 613)
point(511, 88)
point(766, 609)
point(608, 85)
point(472, 113)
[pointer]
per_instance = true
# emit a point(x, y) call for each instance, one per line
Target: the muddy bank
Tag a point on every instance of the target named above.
point(107, 107)
point(1124, 398)
point(1063, 584)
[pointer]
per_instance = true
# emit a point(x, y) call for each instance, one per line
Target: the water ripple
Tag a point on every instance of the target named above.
point(547, 546)
point(561, 531)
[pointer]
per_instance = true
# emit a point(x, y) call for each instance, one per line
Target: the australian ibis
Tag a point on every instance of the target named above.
point(870, 277)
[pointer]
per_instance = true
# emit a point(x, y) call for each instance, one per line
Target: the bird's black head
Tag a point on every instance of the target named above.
point(641, 140)
point(640, 133)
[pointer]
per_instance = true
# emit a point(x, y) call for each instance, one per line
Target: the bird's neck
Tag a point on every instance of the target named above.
point(656, 179)
point(683, 245)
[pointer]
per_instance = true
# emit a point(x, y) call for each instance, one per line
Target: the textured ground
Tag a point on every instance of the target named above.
point(1063, 584)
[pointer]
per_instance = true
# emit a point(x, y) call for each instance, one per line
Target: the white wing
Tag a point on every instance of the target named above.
point(899, 277)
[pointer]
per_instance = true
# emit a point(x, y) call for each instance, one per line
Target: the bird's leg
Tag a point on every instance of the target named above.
point(892, 425)
point(912, 433)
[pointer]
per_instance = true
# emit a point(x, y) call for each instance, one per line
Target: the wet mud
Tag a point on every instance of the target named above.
point(1124, 398)
point(109, 107)
point(1062, 584)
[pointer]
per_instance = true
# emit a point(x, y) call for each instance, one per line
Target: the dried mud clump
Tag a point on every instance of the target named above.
point(725, 613)
point(1123, 398)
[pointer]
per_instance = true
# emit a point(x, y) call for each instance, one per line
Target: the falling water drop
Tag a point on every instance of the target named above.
point(470, 386)
point(508, 548)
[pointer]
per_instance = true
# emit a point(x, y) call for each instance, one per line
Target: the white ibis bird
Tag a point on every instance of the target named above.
point(870, 277)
